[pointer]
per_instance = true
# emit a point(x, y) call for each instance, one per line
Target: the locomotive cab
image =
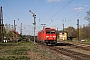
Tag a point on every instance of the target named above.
point(50, 37)
point(47, 35)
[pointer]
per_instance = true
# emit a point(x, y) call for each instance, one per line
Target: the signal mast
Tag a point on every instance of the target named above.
point(1, 25)
point(34, 15)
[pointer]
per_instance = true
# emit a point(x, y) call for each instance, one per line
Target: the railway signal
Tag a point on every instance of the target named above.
point(1, 25)
point(34, 15)
point(78, 29)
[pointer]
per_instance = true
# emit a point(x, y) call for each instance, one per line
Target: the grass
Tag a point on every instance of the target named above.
point(82, 42)
point(14, 51)
point(14, 58)
point(86, 42)
point(24, 51)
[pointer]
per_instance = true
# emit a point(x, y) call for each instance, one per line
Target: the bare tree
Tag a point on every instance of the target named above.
point(88, 16)
point(86, 31)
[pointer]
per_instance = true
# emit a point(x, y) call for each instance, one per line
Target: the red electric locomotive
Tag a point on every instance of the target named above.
point(47, 35)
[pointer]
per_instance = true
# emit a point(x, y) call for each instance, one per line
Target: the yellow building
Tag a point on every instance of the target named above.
point(62, 36)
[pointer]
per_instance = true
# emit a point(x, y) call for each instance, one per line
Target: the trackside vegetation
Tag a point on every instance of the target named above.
point(25, 51)
point(14, 51)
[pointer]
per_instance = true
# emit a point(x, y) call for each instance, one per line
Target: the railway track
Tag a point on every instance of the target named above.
point(78, 45)
point(82, 46)
point(69, 52)
point(72, 50)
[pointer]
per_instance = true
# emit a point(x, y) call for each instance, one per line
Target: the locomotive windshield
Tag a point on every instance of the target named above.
point(50, 32)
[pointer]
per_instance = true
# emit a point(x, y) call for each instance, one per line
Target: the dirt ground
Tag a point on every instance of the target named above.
point(41, 53)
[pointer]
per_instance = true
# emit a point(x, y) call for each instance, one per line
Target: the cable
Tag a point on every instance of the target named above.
point(8, 17)
point(76, 15)
point(11, 10)
point(47, 13)
point(12, 13)
point(60, 10)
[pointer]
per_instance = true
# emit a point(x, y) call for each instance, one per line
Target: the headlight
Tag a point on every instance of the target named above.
point(54, 36)
point(47, 36)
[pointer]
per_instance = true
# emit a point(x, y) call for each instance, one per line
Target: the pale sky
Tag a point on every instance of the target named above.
point(53, 13)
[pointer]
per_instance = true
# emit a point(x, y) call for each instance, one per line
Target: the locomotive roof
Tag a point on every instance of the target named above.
point(48, 28)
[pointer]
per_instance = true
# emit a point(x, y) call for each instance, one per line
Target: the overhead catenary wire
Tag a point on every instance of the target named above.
point(7, 17)
point(17, 18)
point(57, 11)
point(79, 16)
point(9, 8)
point(11, 11)
point(76, 14)
point(60, 10)
point(47, 13)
